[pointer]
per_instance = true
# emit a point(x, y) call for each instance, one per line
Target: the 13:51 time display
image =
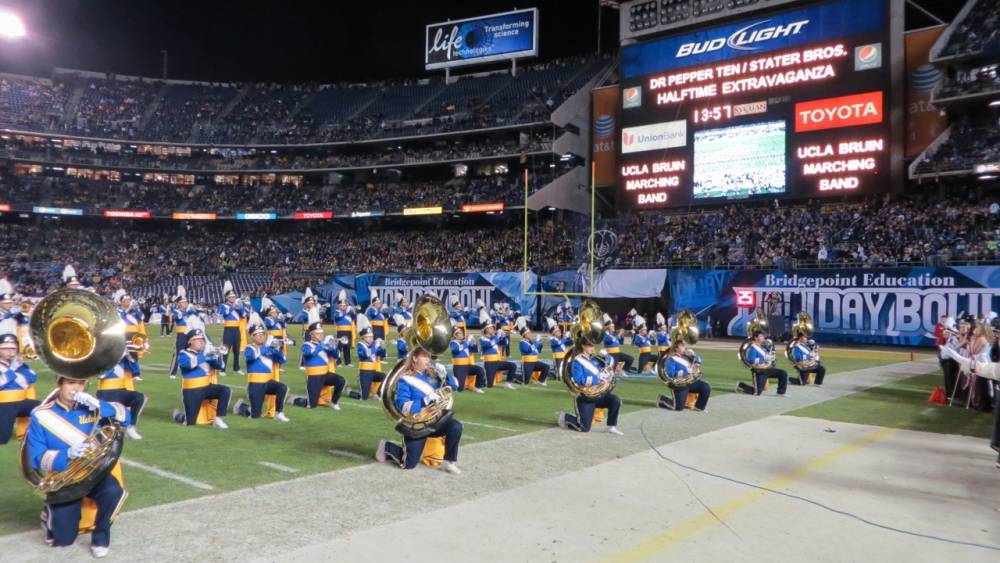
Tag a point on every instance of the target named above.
point(716, 113)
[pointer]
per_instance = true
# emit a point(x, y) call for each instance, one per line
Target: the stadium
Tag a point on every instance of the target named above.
point(591, 281)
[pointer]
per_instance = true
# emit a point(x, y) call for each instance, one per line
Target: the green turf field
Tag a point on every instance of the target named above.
point(322, 440)
point(903, 404)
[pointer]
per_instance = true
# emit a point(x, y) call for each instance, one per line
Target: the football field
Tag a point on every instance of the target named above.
point(173, 463)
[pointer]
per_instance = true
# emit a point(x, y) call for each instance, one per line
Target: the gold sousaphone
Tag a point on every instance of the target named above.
point(431, 331)
point(804, 326)
point(686, 331)
point(589, 328)
point(759, 322)
point(79, 335)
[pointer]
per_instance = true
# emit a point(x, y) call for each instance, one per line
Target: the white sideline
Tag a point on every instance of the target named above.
point(278, 467)
point(167, 474)
point(346, 453)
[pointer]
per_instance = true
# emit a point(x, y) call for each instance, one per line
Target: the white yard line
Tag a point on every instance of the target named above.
point(504, 428)
point(345, 453)
point(167, 474)
point(278, 467)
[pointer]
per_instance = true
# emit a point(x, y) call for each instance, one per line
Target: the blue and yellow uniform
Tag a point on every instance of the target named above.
point(646, 355)
point(457, 317)
point(414, 392)
point(369, 359)
point(506, 326)
point(493, 362)
point(261, 361)
point(197, 386)
point(559, 346)
point(405, 313)
point(56, 429)
point(181, 316)
point(802, 352)
point(376, 316)
point(531, 351)
point(663, 341)
point(320, 362)
point(232, 317)
point(165, 327)
point(117, 386)
point(344, 319)
point(613, 346)
point(464, 361)
point(586, 371)
point(401, 349)
point(681, 366)
point(134, 326)
point(17, 396)
point(758, 355)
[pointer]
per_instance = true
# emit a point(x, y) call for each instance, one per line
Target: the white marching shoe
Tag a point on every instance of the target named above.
point(99, 551)
point(236, 406)
point(132, 433)
point(219, 423)
point(280, 417)
point(614, 430)
point(562, 421)
point(335, 406)
point(479, 390)
point(380, 452)
point(450, 467)
point(509, 385)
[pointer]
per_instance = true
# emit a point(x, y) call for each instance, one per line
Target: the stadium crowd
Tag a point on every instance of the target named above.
point(978, 32)
point(969, 144)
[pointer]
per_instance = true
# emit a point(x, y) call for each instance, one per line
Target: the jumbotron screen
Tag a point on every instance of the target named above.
point(792, 103)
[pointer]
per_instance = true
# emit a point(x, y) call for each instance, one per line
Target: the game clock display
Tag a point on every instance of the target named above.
point(792, 103)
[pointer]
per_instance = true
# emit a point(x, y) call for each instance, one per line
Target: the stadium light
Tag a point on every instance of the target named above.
point(994, 103)
point(11, 26)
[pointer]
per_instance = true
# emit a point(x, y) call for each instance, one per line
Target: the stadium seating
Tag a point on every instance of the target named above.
point(979, 32)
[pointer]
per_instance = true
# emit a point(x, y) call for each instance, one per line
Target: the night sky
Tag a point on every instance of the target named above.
point(283, 40)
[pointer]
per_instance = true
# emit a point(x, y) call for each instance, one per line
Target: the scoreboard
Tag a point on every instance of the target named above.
point(802, 102)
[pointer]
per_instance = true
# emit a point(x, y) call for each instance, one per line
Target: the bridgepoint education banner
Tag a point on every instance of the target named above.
point(880, 305)
point(488, 287)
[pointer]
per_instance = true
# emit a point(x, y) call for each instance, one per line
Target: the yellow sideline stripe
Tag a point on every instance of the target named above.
point(687, 528)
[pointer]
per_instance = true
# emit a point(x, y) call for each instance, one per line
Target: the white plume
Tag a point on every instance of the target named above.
point(363, 322)
point(68, 272)
point(550, 323)
point(6, 287)
point(660, 320)
point(484, 316)
point(181, 292)
point(8, 326)
point(342, 296)
point(639, 322)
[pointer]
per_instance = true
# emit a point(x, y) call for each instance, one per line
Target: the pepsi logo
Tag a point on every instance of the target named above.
point(632, 97)
point(868, 53)
point(631, 93)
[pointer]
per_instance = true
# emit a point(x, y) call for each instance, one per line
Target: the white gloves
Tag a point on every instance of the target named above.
point(88, 401)
point(439, 368)
point(77, 450)
point(379, 342)
point(330, 340)
point(432, 398)
point(343, 340)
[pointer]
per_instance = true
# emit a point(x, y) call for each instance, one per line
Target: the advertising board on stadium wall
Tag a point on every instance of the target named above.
point(4, 207)
point(482, 207)
point(482, 39)
point(309, 215)
point(603, 134)
point(488, 287)
point(423, 210)
point(924, 122)
point(796, 102)
point(897, 306)
point(56, 211)
point(127, 214)
point(196, 216)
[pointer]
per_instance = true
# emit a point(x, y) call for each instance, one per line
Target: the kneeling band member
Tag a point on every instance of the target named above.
point(15, 381)
point(587, 370)
point(559, 345)
point(57, 435)
point(417, 390)
point(116, 386)
point(197, 388)
point(489, 346)
point(261, 357)
point(319, 354)
point(531, 349)
point(613, 346)
point(803, 352)
point(680, 365)
point(645, 344)
point(763, 368)
point(463, 360)
point(369, 351)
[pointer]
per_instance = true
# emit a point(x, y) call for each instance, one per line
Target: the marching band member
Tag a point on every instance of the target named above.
point(196, 387)
point(231, 312)
point(15, 381)
point(402, 311)
point(760, 357)
point(587, 370)
point(416, 390)
point(275, 325)
point(164, 313)
point(804, 351)
point(116, 386)
point(401, 348)
point(457, 314)
point(559, 345)
point(344, 319)
point(7, 310)
point(319, 356)
point(376, 316)
point(680, 364)
point(134, 326)
point(369, 350)
point(261, 355)
point(489, 345)
point(69, 277)
point(531, 349)
point(507, 323)
point(662, 336)
point(181, 312)
point(463, 361)
point(564, 316)
point(646, 356)
point(613, 346)
point(56, 435)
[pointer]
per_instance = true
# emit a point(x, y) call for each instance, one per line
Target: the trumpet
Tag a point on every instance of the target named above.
point(138, 344)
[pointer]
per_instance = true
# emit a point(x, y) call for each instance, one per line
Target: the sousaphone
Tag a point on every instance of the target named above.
point(686, 331)
point(589, 328)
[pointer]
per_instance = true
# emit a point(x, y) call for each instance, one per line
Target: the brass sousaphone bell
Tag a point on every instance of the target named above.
point(431, 331)
point(803, 326)
point(758, 322)
point(589, 328)
point(79, 335)
point(686, 331)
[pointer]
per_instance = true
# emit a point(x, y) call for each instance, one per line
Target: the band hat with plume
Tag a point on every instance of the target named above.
point(362, 322)
point(181, 294)
point(660, 320)
point(8, 326)
point(521, 323)
point(255, 324)
point(375, 297)
point(8, 340)
point(69, 274)
point(342, 297)
point(484, 316)
point(227, 289)
point(266, 305)
point(638, 322)
point(454, 301)
point(399, 298)
point(119, 295)
point(308, 296)
point(551, 324)
point(6, 291)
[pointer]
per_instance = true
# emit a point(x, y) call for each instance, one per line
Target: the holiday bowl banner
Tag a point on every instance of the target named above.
point(877, 306)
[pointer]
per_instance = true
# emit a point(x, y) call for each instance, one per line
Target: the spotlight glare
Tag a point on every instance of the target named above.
point(11, 26)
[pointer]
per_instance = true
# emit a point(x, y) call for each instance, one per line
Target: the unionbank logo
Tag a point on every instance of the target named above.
point(604, 126)
point(632, 97)
point(664, 135)
point(868, 56)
